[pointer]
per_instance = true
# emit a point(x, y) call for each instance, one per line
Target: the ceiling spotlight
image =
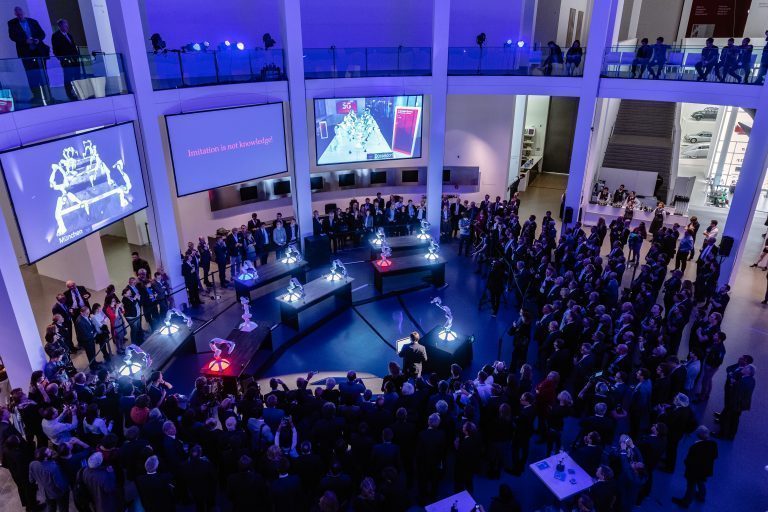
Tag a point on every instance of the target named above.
point(227, 43)
point(240, 46)
point(520, 43)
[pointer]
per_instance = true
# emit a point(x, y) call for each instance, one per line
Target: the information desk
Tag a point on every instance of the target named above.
point(270, 273)
point(464, 503)
point(401, 245)
point(162, 347)
point(315, 292)
point(563, 485)
point(594, 211)
point(409, 265)
point(247, 344)
point(442, 354)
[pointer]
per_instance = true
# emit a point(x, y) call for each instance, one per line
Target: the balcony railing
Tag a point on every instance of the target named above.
point(684, 63)
point(176, 69)
point(36, 81)
point(363, 62)
point(512, 60)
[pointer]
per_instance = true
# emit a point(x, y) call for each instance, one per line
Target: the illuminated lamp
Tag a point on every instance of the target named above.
point(424, 228)
point(291, 255)
point(446, 333)
point(432, 251)
point(169, 328)
point(241, 46)
point(135, 361)
point(247, 271)
point(380, 237)
point(338, 271)
point(295, 291)
point(386, 252)
point(218, 364)
point(520, 43)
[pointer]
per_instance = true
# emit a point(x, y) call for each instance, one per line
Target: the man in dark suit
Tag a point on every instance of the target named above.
point(65, 48)
point(254, 222)
point(740, 385)
point(699, 465)
point(86, 333)
point(414, 356)
point(61, 308)
point(76, 297)
point(430, 458)
point(386, 453)
point(28, 36)
point(286, 490)
point(155, 489)
point(220, 253)
point(521, 440)
point(262, 243)
point(246, 489)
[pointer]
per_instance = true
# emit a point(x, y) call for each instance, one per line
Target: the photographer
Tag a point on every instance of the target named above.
point(286, 438)
point(497, 276)
point(157, 389)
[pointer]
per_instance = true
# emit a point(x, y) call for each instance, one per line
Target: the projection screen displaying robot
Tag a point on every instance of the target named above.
point(66, 189)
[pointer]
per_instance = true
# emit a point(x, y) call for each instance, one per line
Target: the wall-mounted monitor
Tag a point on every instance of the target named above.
point(378, 177)
point(316, 183)
point(281, 188)
point(65, 189)
point(368, 129)
point(215, 148)
point(249, 193)
point(410, 176)
point(347, 180)
point(446, 175)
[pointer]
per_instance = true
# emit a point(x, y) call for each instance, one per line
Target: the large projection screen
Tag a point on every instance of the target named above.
point(65, 189)
point(370, 129)
point(216, 148)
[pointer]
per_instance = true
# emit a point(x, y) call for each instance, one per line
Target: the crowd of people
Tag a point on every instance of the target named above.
point(730, 61)
point(611, 375)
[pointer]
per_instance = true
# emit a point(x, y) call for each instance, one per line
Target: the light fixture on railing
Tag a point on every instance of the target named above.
point(241, 46)
point(520, 43)
point(508, 43)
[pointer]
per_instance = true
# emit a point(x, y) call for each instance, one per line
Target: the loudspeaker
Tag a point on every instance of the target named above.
point(568, 217)
point(330, 207)
point(726, 245)
point(317, 250)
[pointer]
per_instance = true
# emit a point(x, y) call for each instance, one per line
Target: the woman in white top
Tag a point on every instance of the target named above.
point(93, 424)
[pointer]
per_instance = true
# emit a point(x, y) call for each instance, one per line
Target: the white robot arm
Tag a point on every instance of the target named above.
point(216, 345)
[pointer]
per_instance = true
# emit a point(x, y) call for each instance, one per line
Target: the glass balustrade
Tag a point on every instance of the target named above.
point(514, 60)
point(364, 62)
point(729, 65)
point(35, 82)
point(175, 69)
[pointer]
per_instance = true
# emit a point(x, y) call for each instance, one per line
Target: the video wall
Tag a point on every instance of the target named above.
point(63, 190)
point(350, 130)
point(215, 148)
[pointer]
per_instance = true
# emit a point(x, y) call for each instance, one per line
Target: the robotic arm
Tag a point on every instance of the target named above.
point(448, 314)
point(216, 345)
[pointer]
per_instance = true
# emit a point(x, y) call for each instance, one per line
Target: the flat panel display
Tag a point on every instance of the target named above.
point(316, 183)
point(368, 129)
point(215, 148)
point(410, 176)
point(281, 188)
point(378, 177)
point(347, 180)
point(64, 190)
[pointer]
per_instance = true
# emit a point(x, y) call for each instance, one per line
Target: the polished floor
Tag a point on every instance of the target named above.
point(361, 338)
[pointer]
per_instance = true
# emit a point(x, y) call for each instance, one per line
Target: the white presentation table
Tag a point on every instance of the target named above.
point(576, 479)
point(592, 212)
point(464, 502)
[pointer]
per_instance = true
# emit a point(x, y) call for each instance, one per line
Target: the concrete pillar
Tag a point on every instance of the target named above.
point(129, 39)
point(22, 349)
point(747, 192)
point(293, 51)
point(91, 269)
point(135, 230)
point(98, 29)
point(438, 107)
point(601, 32)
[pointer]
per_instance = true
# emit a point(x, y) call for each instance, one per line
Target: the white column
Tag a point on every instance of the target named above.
point(129, 39)
point(293, 51)
point(527, 21)
point(634, 20)
point(516, 148)
point(98, 30)
point(601, 32)
point(747, 192)
point(91, 268)
point(438, 107)
point(21, 349)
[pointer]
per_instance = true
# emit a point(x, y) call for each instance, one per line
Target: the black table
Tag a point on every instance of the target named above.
point(409, 265)
point(315, 292)
point(270, 273)
point(442, 354)
point(247, 345)
point(401, 245)
point(163, 347)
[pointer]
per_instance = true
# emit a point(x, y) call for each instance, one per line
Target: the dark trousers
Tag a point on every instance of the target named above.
point(264, 257)
point(429, 481)
point(729, 422)
point(659, 65)
point(36, 78)
point(495, 299)
point(704, 70)
point(222, 272)
point(193, 292)
point(71, 73)
point(694, 488)
point(642, 64)
point(465, 243)
point(681, 260)
point(90, 349)
point(137, 334)
point(520, 448)
point(206, 274)
point(58, 504)
point(761, 71)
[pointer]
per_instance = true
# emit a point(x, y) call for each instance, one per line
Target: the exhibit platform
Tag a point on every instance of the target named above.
point(270, 273)
point(162, 348)
point(243, 361)
point(414, 264)
point(400, 245)
point(315, 292)
point(441, 354)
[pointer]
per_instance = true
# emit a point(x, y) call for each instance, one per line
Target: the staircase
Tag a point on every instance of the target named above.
point(642, 139)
